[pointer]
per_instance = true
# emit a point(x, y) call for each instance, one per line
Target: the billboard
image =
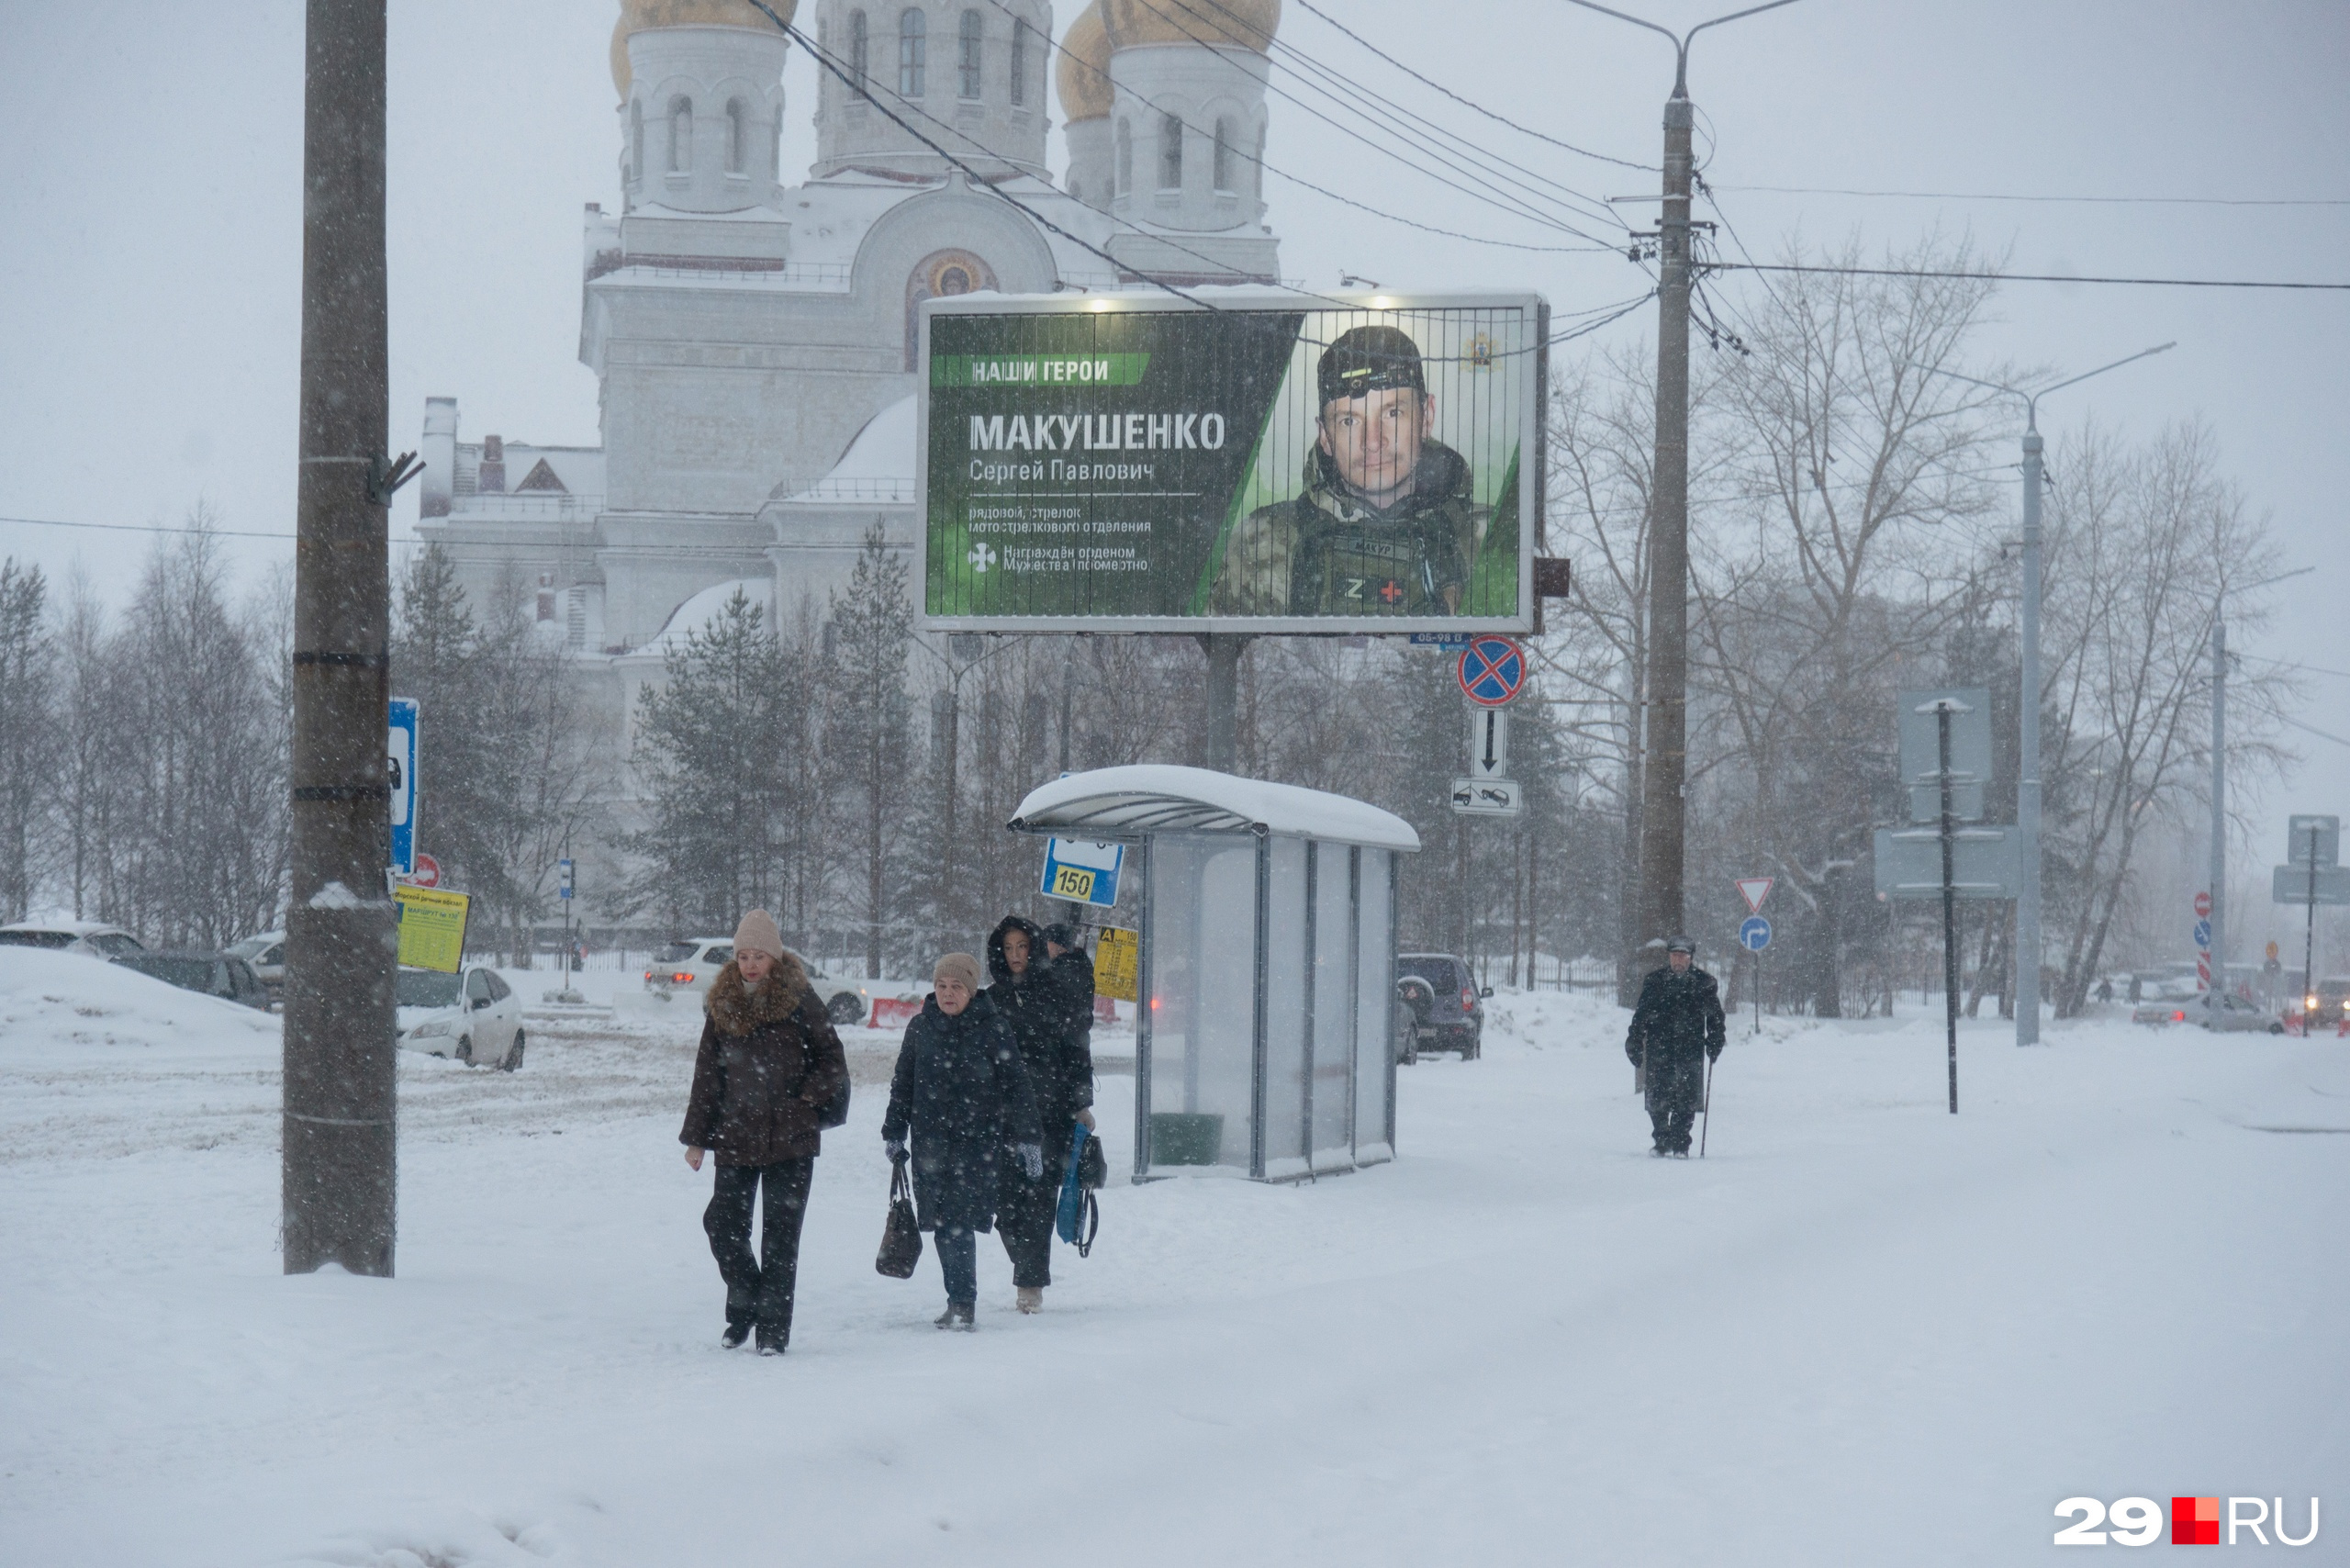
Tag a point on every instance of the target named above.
point(1273, 462)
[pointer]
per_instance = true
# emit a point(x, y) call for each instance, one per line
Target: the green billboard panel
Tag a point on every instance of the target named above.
point(1270, 462)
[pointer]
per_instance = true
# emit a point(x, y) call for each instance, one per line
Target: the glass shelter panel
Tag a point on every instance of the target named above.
point(1202, 1001)
point(1286, 1001)
point(1375, 1009)
point(1332, 1114)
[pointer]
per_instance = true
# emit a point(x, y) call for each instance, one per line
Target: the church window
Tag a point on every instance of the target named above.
point(967, 57)
point(1020, 31)
point(913, 53)
point(860, 51)
point(738, 136)
point(1223, 152)
point(635, 141)
point(1257, 171)
point(681, 135)
point(1170, 152)
point(1125, 157)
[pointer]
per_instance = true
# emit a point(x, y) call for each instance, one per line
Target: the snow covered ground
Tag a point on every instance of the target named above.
point(1861, 1330)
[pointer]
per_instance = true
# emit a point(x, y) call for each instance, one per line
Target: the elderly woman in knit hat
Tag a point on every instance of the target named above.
point(960, 1102)
point(768, 1066)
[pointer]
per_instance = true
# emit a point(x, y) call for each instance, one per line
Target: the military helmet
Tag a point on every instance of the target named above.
point(1682, 944)
point(1366, 359)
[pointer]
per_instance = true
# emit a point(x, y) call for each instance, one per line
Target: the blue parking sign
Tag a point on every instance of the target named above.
point(399, 775)
point(1083, 872)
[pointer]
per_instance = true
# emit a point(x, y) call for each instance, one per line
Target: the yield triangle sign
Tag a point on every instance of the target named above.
point(1755, 889)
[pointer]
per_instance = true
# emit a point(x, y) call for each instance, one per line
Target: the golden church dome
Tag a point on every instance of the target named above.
point(1084, 72)
point(1245, 24)
point(641, 16)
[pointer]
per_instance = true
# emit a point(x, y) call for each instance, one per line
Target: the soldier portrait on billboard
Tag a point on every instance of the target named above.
point(1385, 520)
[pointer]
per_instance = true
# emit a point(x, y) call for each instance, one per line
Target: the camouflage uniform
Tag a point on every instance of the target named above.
point(1328, 552)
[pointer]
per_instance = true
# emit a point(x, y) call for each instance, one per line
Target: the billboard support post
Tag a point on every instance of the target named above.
point(1224, 651)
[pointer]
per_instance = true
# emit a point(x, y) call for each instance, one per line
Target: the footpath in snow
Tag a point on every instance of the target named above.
point(1861, 1330)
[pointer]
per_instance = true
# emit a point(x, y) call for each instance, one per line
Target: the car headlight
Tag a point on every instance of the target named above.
point(429, 1026)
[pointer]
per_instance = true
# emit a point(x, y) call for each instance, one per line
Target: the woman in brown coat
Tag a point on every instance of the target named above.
point(770, 1064)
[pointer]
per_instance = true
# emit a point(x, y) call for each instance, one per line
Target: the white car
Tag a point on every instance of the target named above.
point(691, 964)
point(89, 937)
point(266, 953)
point(472, 1015)
point(2229, 1014)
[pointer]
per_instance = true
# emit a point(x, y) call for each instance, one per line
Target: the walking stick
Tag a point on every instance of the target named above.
point(1705, 1111)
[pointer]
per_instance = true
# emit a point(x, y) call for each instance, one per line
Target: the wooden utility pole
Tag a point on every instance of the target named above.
point(339, 1123)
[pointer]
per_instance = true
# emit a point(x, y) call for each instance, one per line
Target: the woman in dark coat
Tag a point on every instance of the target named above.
point(1048, 999)
point(958, 1097)
point(770, 1064)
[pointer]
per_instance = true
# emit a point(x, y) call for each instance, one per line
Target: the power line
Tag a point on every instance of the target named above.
point(977, 180)
point(1470, 103)
point(831, 63)
point(1334, 196)
point(2321, 734)
point(1512, 204)
point(2022, 277)
point(146, 528)
point(1356, 90)
point(2091, 200)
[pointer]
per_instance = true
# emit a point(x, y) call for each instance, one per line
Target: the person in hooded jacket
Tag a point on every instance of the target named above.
point(769, 1065)
point(959, 1101)
point(1048, 1000)
point(1677, 1029)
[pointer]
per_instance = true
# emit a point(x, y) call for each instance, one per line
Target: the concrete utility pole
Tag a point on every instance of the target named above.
point(340, 1125)
point(2028, 939)
point(1665, 774)
point(1662, 803)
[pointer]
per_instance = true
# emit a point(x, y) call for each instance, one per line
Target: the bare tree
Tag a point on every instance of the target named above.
point(869, 719)
point(1859, 469)
point(28, 666)
point(2142, 544)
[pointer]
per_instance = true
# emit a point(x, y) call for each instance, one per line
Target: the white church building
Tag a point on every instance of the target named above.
point(754, 340)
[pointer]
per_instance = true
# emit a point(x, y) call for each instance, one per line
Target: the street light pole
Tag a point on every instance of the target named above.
point(2219, 809)
point(1666, 740)
point(2028, 939)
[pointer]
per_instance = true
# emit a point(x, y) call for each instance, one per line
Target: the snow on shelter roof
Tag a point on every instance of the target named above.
point(1129, 802)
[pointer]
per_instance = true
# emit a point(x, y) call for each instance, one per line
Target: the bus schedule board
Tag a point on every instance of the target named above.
point(1270, 462)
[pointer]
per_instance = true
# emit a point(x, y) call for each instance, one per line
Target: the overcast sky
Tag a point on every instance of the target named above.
point(149, 225)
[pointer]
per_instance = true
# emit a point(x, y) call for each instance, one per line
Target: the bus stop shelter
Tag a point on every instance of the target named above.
point(1264, 1044)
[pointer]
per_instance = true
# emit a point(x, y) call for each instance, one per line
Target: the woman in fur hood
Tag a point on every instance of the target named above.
point(768, 1066)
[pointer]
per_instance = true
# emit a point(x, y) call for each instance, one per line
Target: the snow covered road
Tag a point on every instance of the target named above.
point(1861, 1330)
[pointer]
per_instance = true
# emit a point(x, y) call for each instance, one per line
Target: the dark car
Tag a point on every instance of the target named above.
point(215, 974)
point(1442, 992)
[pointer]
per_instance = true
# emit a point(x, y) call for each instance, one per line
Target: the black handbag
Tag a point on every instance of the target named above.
point(902, 1236)
point(1092, 1167)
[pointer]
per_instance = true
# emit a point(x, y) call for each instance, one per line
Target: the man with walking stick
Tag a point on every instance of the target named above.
point(1677, 1031)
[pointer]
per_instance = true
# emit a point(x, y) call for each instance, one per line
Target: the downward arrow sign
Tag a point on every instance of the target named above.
point(1492, 764)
